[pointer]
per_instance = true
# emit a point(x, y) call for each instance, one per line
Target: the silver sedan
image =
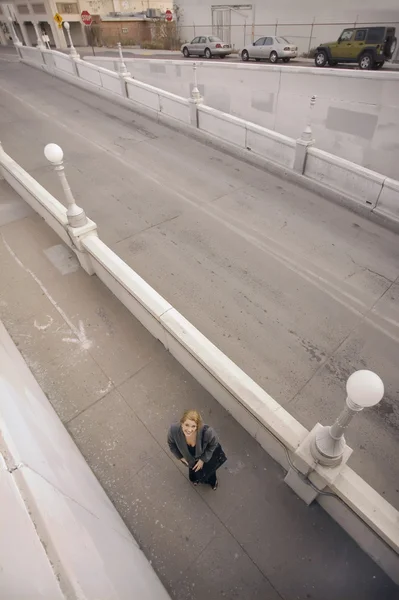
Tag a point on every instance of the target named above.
point(271, 48)
point(208, 46)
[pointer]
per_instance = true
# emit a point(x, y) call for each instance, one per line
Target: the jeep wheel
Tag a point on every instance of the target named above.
point(320, 60)
point(390, 46)
point(366, 61)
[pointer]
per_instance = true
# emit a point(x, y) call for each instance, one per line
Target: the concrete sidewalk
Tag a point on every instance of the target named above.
point(117, 390)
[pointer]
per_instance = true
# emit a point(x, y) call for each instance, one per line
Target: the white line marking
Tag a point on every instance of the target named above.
point(78, 332)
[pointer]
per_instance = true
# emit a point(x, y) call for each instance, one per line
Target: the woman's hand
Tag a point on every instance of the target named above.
point(183, 460)
point(198, 465)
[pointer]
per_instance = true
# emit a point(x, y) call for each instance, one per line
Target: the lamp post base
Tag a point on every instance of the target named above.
point(326, 450)
point(76, 217)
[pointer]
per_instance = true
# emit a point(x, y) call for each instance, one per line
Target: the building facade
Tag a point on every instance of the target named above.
point(33, 18)
point(306, 23)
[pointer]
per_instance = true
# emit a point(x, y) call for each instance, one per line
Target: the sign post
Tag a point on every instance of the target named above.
point(87, 21)
point(58, 19)
point(86, 17)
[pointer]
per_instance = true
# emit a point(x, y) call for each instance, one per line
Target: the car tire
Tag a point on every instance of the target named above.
point(208, 53)
point(366, 61)
point(186, 53)
point(286, 60)
point(320, 59)
point(273, 57)
point(245, 55)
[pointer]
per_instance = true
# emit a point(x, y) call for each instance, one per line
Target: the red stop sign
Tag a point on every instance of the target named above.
point(86, 17)
point(168, 15)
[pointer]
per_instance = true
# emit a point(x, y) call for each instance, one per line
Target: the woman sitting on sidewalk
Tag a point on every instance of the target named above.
point(198, 447)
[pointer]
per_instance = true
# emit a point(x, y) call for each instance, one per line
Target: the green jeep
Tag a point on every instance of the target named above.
point(369, 47)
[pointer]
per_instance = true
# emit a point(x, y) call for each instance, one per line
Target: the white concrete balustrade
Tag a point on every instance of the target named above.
point(356, 115)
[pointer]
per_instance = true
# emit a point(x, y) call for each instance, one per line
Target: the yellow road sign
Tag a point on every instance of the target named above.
point(58, 19)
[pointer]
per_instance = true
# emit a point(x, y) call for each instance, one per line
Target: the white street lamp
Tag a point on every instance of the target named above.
point(195, 93)
point(122, 65)
point(73, 51)
point(364, 390)
point(307, 132)
point(76, 215)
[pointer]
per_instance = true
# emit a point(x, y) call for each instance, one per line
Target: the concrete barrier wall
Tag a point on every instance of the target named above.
point(267, 144)
point(361, 185)
point(367, 517)
point(325, 173)
point(388, 201)
point(356, 116)
point(67, 539)
point(64, 63)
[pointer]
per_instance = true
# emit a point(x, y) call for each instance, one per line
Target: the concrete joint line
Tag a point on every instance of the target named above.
point(379, 194)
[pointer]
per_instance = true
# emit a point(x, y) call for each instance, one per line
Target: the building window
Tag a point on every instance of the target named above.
point(124, 30)
point(67, 8)
point(23, 9)
point(39, 9)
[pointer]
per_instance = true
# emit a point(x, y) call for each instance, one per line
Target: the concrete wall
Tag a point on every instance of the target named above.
point(367, 517)
point(61, 535)
point(128, 32)
point(356, 115)
point(306, 23)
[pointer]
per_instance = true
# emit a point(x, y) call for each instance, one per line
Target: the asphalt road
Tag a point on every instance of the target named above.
point(298, 291)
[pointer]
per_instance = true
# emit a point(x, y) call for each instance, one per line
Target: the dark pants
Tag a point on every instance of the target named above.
point(193, 475)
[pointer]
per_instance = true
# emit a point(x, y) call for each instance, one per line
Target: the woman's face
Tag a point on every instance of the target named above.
point(189, 427)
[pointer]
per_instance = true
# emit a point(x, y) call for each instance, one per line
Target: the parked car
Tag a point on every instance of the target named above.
point(272, 48)
point(208, 46)
point(369, 47)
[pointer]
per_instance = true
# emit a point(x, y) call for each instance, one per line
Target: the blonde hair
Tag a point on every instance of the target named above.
point(192, 415)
